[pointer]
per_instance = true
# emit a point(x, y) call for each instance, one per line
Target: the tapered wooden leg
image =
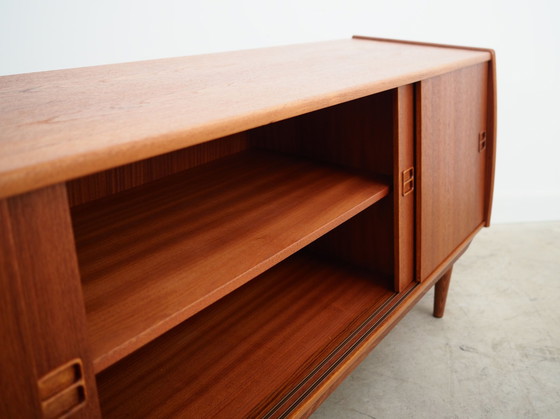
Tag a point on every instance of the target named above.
point(442, 286)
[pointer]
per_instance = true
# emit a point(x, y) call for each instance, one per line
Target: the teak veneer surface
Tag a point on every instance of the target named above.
point(39, 274)
point(242, 355)
point(148, 239)
point(453, 113)
point(152, 256)
point(59, 125)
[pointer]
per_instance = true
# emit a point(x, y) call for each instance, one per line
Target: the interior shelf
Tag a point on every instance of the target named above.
point(243, 355)
point(152, 256)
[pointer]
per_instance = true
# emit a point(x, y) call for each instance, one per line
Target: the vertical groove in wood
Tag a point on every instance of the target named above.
point(441, 290)
point(112, 181)
point(49, 286)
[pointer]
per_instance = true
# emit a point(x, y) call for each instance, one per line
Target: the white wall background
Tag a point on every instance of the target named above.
point(38, 35)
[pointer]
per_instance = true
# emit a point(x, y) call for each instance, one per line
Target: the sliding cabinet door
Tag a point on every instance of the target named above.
point(451, 162)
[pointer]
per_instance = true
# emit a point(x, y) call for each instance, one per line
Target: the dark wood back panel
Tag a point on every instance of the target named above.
point(109, 182)
point(356, 134)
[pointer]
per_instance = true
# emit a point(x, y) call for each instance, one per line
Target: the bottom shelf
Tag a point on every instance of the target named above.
point(253, 352)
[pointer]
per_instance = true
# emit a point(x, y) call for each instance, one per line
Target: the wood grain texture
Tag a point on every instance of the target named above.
point(121, 178)
point(403, 143)
point(452, 172)
point(365, 240)
point(242, 355)
point(61, 125)
point(492, 111)
point(409, 297)
point(193, 309)
point(190, 239)
point(18, 380)
point(440, 295)
point(357, 135)
point(44, 285)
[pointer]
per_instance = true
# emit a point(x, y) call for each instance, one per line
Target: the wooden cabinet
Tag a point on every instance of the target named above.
point(229, 235)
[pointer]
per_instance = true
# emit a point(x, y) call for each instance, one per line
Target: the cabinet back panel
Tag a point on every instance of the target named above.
point(356, 134)
point(365, 240)
point(109, 182)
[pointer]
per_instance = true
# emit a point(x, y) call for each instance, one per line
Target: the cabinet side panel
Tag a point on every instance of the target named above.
point(452, 164)
point(51, 296)
point(491, 136)
point(18, 380)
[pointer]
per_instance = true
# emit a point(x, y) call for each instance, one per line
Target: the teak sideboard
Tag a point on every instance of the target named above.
point(229, 235)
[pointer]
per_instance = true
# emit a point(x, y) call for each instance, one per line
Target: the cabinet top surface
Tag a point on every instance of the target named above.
point(59, 125)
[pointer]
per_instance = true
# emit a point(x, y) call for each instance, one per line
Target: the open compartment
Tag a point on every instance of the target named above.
point(358, 136)
point(257, 350)
point(162, 239)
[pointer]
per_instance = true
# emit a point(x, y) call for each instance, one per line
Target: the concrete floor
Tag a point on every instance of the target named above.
point(496, 352)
